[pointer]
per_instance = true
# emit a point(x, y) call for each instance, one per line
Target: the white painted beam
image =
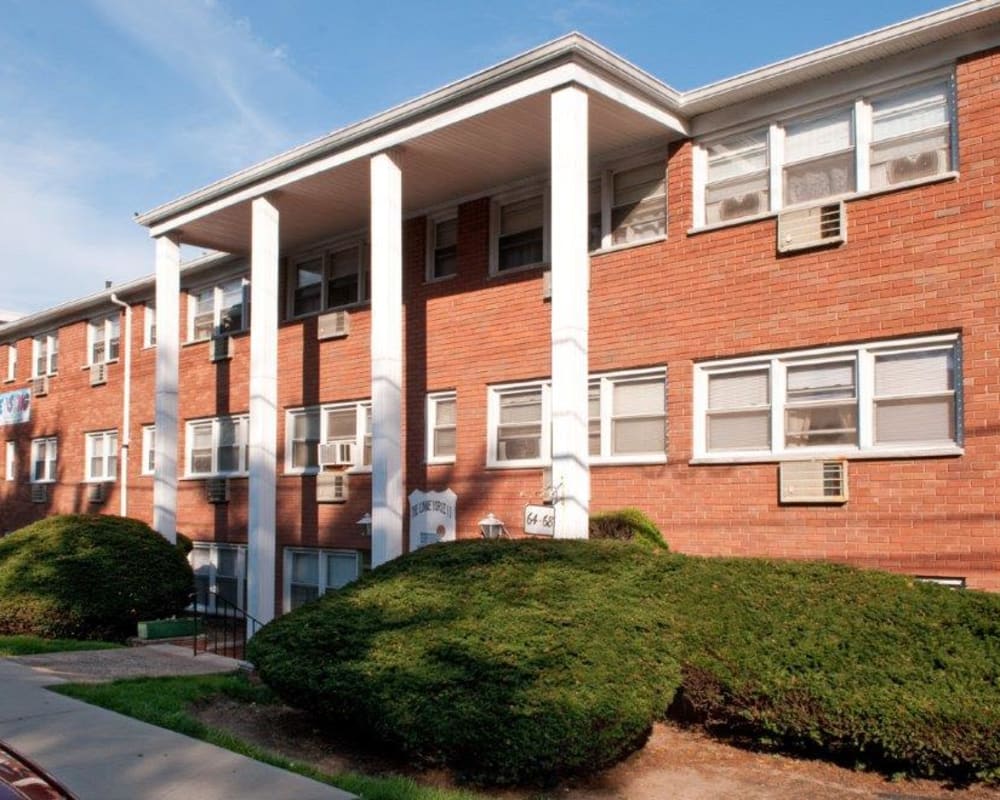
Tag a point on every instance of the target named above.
point(570, 311)
point(388, 499)
point(263, 433)
point(168, 290)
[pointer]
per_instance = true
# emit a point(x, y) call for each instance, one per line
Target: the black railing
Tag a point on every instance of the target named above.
point(221, 627)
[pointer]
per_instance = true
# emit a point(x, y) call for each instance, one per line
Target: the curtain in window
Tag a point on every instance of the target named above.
point(819, 158)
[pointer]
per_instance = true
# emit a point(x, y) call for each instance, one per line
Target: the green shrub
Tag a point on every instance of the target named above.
point(88, 577)
point(529, 661)
point(627, 525)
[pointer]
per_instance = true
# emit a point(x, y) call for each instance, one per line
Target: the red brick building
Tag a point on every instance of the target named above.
point(764, 311)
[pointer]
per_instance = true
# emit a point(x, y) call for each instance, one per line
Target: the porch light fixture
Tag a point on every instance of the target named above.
point(365, 523)
point(491, 527)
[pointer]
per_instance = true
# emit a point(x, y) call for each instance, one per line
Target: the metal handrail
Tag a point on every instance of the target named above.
point(225, 629)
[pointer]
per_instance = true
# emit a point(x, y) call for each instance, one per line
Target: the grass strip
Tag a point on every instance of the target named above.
point(33, 645)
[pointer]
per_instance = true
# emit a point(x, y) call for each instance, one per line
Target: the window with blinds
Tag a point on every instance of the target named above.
point(627, 415)
point(521, 235)
point(519, 432)
point(886, 397)
point(819, 157)
point(443, 256)
point(738, 175)
point(311, 573)
point(911, 135)
point(441, 427)
point(217, 447)
point(639, 203)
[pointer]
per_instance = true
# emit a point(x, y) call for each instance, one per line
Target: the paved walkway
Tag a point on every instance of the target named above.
point(100, 755)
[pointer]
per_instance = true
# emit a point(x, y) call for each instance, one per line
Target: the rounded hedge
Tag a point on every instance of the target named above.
point(530, 661)
point(627, 525)
point(88, 577)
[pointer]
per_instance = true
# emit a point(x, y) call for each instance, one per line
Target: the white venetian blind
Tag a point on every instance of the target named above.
point(638, 417)
point(521, 216)
point(913, 373)
point(739, 415)
point(910, 111)
point(915, 398)
point(738, 390)
point(819, 381)
point(818, 136)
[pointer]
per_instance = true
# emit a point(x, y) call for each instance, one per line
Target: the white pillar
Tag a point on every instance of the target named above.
point(168, 291)
point(263, 410)
point(570, 296)
point(388, 500)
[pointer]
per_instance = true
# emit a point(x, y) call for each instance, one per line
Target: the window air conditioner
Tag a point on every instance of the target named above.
point(96, 492)
point(39, 493)
point(217, 490)
point(336, 454)
point(335, 325)
point(911, 168)
point(98, 374)
point(331, 487)
point(803, 228)
point(813, 481)
point(221, 348)
point(40, 386)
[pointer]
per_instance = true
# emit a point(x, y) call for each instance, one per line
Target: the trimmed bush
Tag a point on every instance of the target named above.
point(88, 577)
point(627, 525)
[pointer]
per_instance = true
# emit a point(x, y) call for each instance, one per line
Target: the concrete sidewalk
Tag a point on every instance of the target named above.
point(100, 755)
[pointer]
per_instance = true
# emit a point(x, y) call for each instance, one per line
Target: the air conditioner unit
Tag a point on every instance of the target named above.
point(40, 386)
point(98, 374)
point(335, 325)
point(221, 348)
point(547, 285)
point(331, 487)
point(96, 492)
point(336, 454)
point(217, 490)
point(915, 167)
point(744, 205)
point(39, 493)
point(813, 481)
point(817, 226)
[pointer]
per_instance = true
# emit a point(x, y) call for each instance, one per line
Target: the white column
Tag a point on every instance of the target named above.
point(168, 291)
point(263, 410)
point(388, 501)
point(570, 312)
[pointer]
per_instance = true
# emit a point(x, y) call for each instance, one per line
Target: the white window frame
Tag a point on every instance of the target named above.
point(106, 326)
point(218, 290)
point(493, 419)
point(507, 198)
point(860, 104)
point(433, 220)
point(45, 345)
point(51, 460)
point(213, 549)
point(777, 363)
point(107, 441)
point(606, 383)
point(11, 363)
point(149, 325)
point(432, 425)
point(361, 410)
point(10, 461)
point(148, 465)
point(326, 252)
point(321, 554)
point(244, 424)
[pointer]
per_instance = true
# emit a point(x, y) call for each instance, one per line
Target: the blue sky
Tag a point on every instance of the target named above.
point(109, 107)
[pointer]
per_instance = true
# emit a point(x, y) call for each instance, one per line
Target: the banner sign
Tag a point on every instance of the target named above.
point(540, 520)
point(15, 407)
point(432, 518)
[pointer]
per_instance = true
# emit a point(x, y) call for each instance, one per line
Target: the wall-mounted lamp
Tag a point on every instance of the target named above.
point(365, 523)
point(491, 527)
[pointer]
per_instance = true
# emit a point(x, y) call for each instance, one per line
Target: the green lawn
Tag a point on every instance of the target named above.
point(31, 645)
point(166, 702)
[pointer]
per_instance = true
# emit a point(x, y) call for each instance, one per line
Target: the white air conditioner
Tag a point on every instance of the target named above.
point(915, 167)
point(220, 348)
point(40, 386)
point(331, 487)
point(744, 205)
point(217, 490)
point(813, 481)
point(816, 226)
point(39, 493)
point(547, 285)
point(335, 325)
point(336, 454)
point(98, 374)
point(96, 492)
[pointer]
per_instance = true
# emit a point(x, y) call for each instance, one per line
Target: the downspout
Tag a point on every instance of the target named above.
point(126, 404)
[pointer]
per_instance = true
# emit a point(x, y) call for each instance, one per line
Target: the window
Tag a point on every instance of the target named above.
point(342, 423)
point(638, 203)
point(876, 142)
point(103, 339)
point(45, 351)
point(881, 399)
point(518, 232)
point(628, 416)
point(148, 466)
point(220, 571)
point(217, 447)
point(44, 453)
point(11, 362)
point(333, 279)
point(149, 326)
point(218, 310)
point(520, 426)
point(312, 573)
point(10, 462)
point(442, 247)
point(102, 456)
point(441, 421)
